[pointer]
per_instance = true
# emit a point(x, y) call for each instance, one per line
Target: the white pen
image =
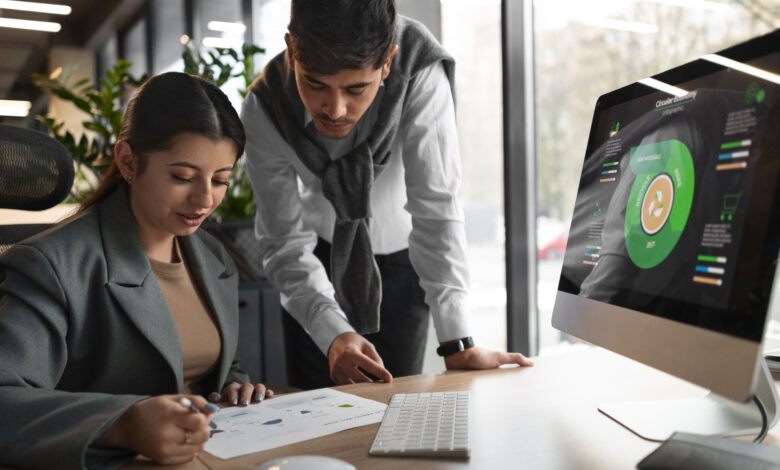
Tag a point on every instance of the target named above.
point(187, 403)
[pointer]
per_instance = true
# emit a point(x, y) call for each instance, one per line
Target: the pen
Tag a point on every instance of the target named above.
point(185, 402)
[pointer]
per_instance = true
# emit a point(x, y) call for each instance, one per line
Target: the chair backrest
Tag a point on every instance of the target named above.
point(36, 171)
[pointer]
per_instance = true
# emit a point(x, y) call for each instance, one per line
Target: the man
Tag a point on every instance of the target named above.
point(353, 155)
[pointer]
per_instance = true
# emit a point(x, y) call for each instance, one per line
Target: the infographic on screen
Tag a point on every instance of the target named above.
point(660, 200)
point(665, 196)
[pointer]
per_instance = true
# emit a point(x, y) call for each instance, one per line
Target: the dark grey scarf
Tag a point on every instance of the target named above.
point(347, 181)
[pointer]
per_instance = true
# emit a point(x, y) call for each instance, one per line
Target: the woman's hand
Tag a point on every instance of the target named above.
point(162, 429)
point(241, 394)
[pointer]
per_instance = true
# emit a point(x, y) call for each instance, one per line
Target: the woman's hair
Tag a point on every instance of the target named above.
point(163, 107)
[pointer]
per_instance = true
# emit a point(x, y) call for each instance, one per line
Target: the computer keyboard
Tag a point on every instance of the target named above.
point(425, 425)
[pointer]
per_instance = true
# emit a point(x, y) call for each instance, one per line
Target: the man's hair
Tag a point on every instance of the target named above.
point(332, 35)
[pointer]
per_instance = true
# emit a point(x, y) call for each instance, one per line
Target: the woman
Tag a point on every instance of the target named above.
point(109, 319)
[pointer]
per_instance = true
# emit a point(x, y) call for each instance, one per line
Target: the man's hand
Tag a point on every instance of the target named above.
point(350, 351)
point(478, 358)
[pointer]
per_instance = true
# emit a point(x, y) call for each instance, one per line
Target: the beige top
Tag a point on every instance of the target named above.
point(198, 334)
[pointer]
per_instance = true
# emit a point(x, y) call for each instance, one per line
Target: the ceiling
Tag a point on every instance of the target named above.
point(24, 52)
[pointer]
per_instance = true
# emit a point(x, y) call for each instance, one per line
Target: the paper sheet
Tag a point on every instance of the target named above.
point(288, 419)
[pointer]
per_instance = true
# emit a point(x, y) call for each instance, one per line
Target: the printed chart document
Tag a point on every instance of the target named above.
point(288, 419)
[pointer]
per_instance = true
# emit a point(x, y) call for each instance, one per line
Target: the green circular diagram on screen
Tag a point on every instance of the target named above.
point(660, 200)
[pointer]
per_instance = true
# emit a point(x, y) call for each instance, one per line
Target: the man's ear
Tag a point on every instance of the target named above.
point(389, 61)
point(125, 160)
point(290, 55)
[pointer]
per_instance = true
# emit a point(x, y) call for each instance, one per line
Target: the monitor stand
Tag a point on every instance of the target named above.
point(711, 415)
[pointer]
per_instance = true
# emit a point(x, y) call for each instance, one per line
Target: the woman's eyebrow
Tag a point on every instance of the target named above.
point(185, 164)
point(196, 167)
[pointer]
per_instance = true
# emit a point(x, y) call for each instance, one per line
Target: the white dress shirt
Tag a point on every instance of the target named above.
point(413, 205)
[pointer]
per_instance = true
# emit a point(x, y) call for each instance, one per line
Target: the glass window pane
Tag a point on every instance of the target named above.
point(221, 25)
point(270, 19)
point(135, 48)
point(586, 49)
point(168, 27)
point(471, 32)
point(107, 56)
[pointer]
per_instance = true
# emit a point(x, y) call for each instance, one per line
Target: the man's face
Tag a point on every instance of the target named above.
point(337, 101)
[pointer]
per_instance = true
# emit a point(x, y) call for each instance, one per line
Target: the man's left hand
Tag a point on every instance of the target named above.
point(479, 358)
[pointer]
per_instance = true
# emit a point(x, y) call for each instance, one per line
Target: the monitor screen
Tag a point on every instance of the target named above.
point(676, 214)
point(674, 240)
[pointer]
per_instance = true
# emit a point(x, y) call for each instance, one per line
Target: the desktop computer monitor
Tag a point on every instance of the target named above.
point(674, 239)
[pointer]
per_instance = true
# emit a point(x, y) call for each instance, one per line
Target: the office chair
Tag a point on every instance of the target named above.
point(36, 173)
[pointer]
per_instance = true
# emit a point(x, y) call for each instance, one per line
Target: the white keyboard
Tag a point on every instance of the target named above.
point(425, 425)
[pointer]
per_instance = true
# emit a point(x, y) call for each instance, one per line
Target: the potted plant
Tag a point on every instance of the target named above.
point(231, 222)
point(91, 156)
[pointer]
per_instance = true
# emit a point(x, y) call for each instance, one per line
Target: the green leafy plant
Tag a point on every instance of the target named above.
point(104, 109)
point(221, 64)
point(91, 155)
point(218, 66)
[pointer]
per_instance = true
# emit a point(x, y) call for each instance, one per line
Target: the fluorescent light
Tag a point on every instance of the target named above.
point(697, 4)
point(226, 27)
point(622, 25)
point(35, 7)
point(14, 108)
point(744, 68)
point(47, 26)
point(211, 41)
point(661, 86)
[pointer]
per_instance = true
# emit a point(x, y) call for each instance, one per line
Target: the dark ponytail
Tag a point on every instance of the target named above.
point(163, 107)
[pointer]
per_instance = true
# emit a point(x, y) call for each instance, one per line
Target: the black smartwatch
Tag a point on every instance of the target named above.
point(456, 346)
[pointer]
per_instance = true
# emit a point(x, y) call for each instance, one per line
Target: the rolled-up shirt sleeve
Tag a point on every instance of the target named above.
point(286, 244)
point(437, 243)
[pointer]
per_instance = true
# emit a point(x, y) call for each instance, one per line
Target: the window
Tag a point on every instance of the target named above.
point(270, 19)
point(471, 32)
point(167, 19)
point(134, 48)
point(106, 56)
point(221, 24)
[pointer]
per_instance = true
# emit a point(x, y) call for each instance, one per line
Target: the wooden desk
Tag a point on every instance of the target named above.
point(544, 417)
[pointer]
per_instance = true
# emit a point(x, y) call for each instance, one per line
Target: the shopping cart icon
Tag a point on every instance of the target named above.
point(730, 203)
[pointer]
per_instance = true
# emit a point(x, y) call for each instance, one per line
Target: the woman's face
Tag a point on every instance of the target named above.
point(179, 187)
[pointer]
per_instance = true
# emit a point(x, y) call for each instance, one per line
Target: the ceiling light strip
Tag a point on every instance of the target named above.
point(211, 41)
point(226, 27)
point(35, 7)
point(14, 108)
point(47, 26)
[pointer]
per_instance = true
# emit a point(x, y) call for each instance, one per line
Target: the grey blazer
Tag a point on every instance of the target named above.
point(85, 332)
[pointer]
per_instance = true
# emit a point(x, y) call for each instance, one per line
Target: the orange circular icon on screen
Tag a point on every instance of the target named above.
point(657, 203)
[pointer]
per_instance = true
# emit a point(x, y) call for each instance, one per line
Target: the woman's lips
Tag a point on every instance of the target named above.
point(191, 220)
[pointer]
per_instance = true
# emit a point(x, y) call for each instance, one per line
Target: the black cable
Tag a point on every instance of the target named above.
point(764, 420)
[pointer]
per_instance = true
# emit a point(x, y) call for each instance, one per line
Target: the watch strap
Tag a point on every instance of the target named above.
point(455, 346)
